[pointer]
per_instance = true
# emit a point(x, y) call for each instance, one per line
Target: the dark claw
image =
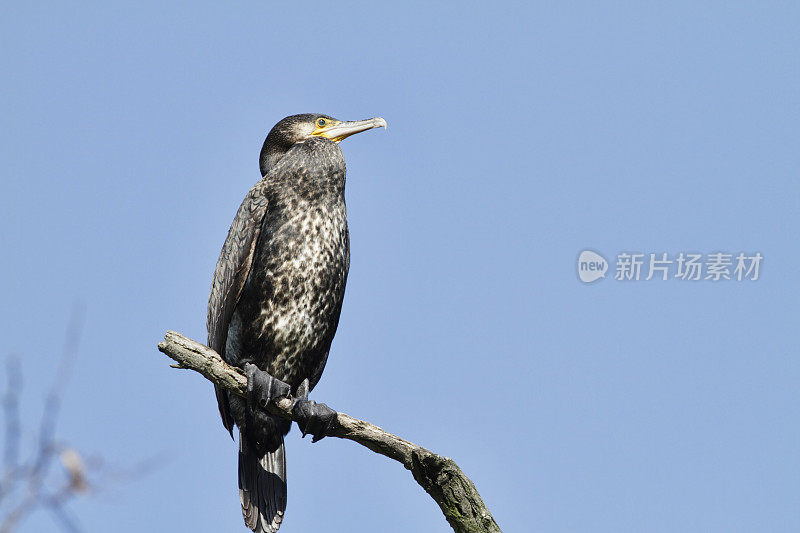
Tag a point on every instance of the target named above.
point(314, 418)
point(262, 388)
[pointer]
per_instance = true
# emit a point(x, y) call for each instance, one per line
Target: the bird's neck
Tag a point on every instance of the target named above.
point(270, 155)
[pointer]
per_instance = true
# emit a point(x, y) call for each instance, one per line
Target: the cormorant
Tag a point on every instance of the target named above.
point(277, 295)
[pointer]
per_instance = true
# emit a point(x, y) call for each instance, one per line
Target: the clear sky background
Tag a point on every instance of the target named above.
point(519, 135)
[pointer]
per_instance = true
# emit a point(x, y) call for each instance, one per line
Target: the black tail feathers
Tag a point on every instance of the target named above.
point(262, 487)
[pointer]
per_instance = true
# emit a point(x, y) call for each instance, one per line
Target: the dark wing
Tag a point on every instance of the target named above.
point(230, 275)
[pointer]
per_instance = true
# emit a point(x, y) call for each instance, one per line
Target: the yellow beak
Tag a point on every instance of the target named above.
point(342, 130)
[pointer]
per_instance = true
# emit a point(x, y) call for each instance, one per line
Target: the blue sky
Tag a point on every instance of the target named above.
point(519, 135)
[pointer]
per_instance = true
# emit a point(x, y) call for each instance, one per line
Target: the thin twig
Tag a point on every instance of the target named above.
point(56, 503)
point(12, 426)
point(52, 406)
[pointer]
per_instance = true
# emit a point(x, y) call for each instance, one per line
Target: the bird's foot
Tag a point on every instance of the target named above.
point(316, 419)
point(262, 388)
point(313, 418)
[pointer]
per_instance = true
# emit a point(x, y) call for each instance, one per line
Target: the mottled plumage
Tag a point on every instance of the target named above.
point(278, 289)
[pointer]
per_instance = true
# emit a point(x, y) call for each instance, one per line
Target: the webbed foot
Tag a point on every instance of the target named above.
point(262, 388)
point(316, 419)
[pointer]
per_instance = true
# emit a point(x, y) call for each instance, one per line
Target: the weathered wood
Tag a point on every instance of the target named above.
point(441, 477)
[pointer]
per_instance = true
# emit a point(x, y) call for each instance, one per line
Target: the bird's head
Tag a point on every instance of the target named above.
point(298, 128)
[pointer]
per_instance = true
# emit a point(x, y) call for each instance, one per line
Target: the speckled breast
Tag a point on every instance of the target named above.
point(292, 300)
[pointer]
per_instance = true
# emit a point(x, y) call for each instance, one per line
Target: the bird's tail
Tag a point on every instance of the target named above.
point(262, 487)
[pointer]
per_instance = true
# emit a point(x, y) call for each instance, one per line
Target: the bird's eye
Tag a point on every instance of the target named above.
point(321, 122)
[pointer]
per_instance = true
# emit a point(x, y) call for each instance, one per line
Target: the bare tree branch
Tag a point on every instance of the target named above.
point(24, 487)
point(27, 485)
point(441, 477)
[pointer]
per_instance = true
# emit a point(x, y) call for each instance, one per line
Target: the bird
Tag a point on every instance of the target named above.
point(277, 292)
